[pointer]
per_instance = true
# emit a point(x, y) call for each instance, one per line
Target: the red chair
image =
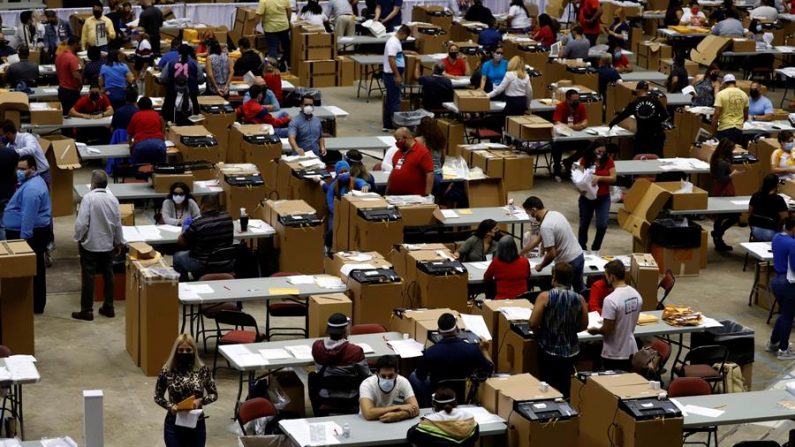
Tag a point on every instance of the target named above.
point(662, 347)
point(667, 284)
point(290, 307)
point(699, 363)
point(693, 386)
point(211, 310)
point(237, 334)
point(370, 328)
point(252, 409)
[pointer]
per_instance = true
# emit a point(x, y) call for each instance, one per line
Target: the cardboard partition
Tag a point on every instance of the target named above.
point(318, 73)
point(645, 200)
point(709, 49)
point(454, 132)
point(367, 235)
point(414, 321)
point(162, 182)
point(18, 267)
point(212, 154)
point(127, 211)
point(218, 116)
point(159, 317)
point(417, 215)
point(63, 159)
point(430, 291)
point(666, 66)
point(681, 261)
point(399, 257)
point(429, 38)
point(300, 249)
point(321, 307)
point(644, 277)
point(249, 197)
point(763, 148)
point(433, 14)
point(471, 101)
point(486, 192)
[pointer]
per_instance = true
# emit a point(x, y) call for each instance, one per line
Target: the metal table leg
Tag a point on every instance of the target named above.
point(17, 404)
point(755, 285)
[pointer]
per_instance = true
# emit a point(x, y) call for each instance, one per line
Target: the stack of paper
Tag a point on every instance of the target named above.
point(516, 313)
point(315, 434)
point(22, 368)
point(347, 268)
point(366, 348)
point(9, 443)
point(301, 280)
point(188, 419)
point(66, 441)
point(356, 256)
point(482, 415)
point(407, 349)
point(329, 282)
point(274, 354)
point(301, 352)
point(477, 325)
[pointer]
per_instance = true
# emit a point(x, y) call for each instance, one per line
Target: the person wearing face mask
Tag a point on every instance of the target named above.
point(210, 232)
point(547, 31)
point(254, 111)
point(387, 396)
point(98, 30)
point(181, 79)
point(731, 26)
point(766, 11)
point(760, 108)
point(305, 132)
point(99, 237)
point(649, 115)
point(179, 206)
point(621, 61)
point(508, 271)
point(447, 426)
point(606, 73)
point(455, 65)
point(95, 105)
point(571, 113)
point(679, 78)
point(518, 18)
point(731, 111)
point(145, 132)
point(5, 49)
point(342, 185)
point(412, 172)
point(8, 180)
point(28, 216)
point(493, 72)
point(595, 157)
point(56, 31)
point(558, 316)
point(393, 68)
point(25, 143)
point(557, 239)
point(722, 172)
point(183, 377)
point(618, 31)
point(782, 161)
point(620, 316)
point(707, 87)
point(692, 15)
point(516, 88)
point(482, 245)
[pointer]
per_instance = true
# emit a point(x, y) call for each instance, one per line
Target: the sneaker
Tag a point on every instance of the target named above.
point(86, 316)
point(771, 347)
point(107, 312)
point(789, 354)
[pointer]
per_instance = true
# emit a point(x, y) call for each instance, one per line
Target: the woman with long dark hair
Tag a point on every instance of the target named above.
point(181, 78)
point(219, 70)
point(313, 13)
point(179, 207)
point(720, 168)
point(596, 158)
point(481, 245)
point(115, 77)
point(547, 32)
point(767, 210)
point(518, 17)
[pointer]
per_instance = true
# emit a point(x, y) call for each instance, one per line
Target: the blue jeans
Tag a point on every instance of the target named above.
point(392, 102)
point(151, 151)
point(577, 264)
point(600, 206)
point(762, 234)
point(275, 40)
point(184, 264)
point(785, 295)
point(182, 436)
point(422, 389)
point(117, 97)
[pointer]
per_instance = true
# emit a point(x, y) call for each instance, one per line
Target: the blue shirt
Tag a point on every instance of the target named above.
point(168, 57)
point(114, 76)
point(607, 75)
point(386, 8)
point(761, 106)
point(122, 116)
point(451, 358)
point(307, 132)
point(490, 38)
point(494, 73)
point(55, 34)
point(358, 184)
point(783, 246)
point(268, 100)
point(29, 207)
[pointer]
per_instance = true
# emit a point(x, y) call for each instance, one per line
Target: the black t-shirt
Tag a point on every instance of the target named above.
point(249, 61)
point(681, 82)
point(435, 91)
point(768, 205)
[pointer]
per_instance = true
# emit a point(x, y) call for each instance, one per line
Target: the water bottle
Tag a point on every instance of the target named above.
point(346, 430)
point(243, 220)
point(511, 207)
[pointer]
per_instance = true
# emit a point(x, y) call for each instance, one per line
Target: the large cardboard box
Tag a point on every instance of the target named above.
point(516, 353)
point(743, 45)
point(43, 113)
point(745, 183)
point(300, 248)
point(709, 49)
point(417, 215)
point(763, 148)
point(159, 316)
point(311, 43)
point(485, 192)
point(290, 186)
point(162, 182)
point(353, 232)
point(429, 38)
point(514, 168)
point(346, 71)
point(650, 54)
point(666, 66)
point(246, 22)
point(490, 311)
point(178, 136)
point(406, 322)
point(400, 259)
point(643, 276)
point(433, 14)
point(533, 53)
point(127, 211)
point(681, 261)
point(249, 197)
point(17, 267)
point(321, 307)
point(454, 132)
point(218, 116)
point(529, 128)
point(426, 290)
point(246, 145)
point(318, 73)
point(465, 31)
point(63, 159)
point(471, 101)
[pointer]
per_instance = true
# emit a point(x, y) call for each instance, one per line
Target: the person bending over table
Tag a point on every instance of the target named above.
point(184, 377)
point(386, 395)
point(179, 208)
point(253, 112)
point(447, 426)
point(759, 107)
point(305, 132)
point(507, 270)
point(517, 88)
point(412, 172)
point(212, 231)
point(95, 105)
point(783, 247)
point(482, 245)
point(145, 132)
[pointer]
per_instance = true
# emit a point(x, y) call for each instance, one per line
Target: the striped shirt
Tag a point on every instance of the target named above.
point(560, 323)
point(212, 231)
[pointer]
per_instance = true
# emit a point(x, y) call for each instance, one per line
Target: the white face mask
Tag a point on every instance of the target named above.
point(386, 385)
point(178, 199)
point(308, 110)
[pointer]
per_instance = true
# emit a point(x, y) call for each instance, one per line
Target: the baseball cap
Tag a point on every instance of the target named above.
point(337, 324)
point(729, 78)
point(642, 85)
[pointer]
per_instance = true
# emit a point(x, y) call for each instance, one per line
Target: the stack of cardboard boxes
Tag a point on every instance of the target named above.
point(218, 116)
point(246, 22)
point(290, 185)
point(651, 53)
point(513, 167)
point(528, 128)
point(435, 15)
point(313, 55)
point(196, 143)
point(256, 144)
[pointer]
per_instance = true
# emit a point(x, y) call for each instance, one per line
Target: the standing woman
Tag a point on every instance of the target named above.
point(184, 376)
point(179, 207)
point(604, 175)
point(181, 78)
point(30, 32)
point(518, 17)
point(482, 245)
point(115, 77)
point(517, 88)
point(219, 75)
point(720, 168)
point(674, 13)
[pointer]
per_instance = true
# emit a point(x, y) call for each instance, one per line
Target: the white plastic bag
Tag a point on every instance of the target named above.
point(377, 29)
point(455, 167)
point(616, 194)
point(583, 180)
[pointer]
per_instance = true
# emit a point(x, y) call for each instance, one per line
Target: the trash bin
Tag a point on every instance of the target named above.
point(410, 119)
point(738, 338)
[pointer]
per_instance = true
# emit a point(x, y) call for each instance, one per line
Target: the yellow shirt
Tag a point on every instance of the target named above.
point(274, 15)
point(782, 159)
point(89, 37)
point(733, 103)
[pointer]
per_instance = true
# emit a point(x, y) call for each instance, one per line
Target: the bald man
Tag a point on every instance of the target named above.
point(413, 167)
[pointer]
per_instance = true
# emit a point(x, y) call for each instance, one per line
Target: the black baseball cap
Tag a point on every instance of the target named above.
point(642, 85)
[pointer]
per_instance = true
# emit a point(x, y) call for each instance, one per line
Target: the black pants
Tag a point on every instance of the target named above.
point(92, 263)
point(649, 144)
point(620, 365)
point(68, 98)
point(557, 154)
point(556, 371)
point(731, 133)
point(41, 237)
point(722, 223)
point(592, 38)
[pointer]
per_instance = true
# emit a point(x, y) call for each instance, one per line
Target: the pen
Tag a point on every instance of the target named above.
point(227, 288)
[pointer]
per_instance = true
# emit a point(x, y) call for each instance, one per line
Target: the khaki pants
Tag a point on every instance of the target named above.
point(344, 26)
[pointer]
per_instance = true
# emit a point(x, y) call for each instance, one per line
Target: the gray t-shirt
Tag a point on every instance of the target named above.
point(400, 393)
point(728, 27)
point(555, 231)
point(623, 307)
point(576, 49)
point(338, 8)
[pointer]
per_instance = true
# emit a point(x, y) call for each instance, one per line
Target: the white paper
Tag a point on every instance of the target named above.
point(703, 411)
point(235, 350)
point(482, 415)
point(516, 313)
point(22, 369)
point(326, 282)
point(170, 228)
point(594, 320)
point(197, 288)
point(188, 418)
point(449, 214)
point(65, 441)
point(301, 279)
point(188, 295)
point(366, 348)
point(250, 359)
point(347, 268)
point(131, 234)
point(301, 352)
point(679, 406)
point(149, 232)
point(9, 443)
point(477, 325)
point(359, 257)
point(739, 202)
point(50, 90)
point(5, 374)
point(482, 265)
point(314, 434)
point(406, 349)
point(710, 322)
point(274, 354)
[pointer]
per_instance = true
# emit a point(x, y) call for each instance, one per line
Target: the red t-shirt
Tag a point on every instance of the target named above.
point(65, 64)
point(85, 105)
point(562, 111)
point(587, 10)
point(274, 83)
point(409, 172)
point(545, 36)
point(622, 62)
point(510, 278)
point(604, 188)
point(457, 68)
point(145, 125)
point(599, 291)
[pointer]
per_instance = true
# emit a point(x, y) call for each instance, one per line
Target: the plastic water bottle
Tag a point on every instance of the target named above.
point(346, 430)
point(511, 207)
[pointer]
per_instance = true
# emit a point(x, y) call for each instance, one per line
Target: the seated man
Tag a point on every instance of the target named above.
point(210, 232)
point(451, 358)
point(621, 61)
point(572, 114)
point(760, 108)
point(253, 112)
point(386, 395)
point(436, 89)
point(94, 106)
point(268, 100)
point(249, 61)
point(25, 70)
point(340, 363)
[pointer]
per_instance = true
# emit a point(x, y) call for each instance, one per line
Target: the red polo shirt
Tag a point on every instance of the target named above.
point(65, 64)
point(85, 105)
point(145, 125)
point(410, 168)
point(457, 68)
point(587, 10)
point(562, 111)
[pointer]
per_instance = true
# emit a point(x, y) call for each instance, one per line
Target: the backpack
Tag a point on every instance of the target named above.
point(647, 362)
point(733, 381)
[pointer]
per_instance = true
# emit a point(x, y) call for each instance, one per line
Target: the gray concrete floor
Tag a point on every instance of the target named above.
point(74, 355)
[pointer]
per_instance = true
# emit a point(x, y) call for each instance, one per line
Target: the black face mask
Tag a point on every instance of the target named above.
point(3, 42)
point(94, 97)
point(184, 360)
point(452, 56)
point(575, 104)
point(97, 14)
point(755, 93)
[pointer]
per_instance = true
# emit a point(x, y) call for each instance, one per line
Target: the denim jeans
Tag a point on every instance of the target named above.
point(117, 97)
point(601, 207)
point(762, 234)
point(182, 436)
point(577, 264)
point(422, 389)
point(184, 264)
point(392, 102)
point(92, 263)
point(280, 38)
point(151, 150)
point(785, 295)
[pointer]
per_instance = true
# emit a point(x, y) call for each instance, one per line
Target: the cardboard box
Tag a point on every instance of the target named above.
point(485, 192)
point(526, 388)
point(46, 113)
point(364, 235)
point(346, 71)
point(299, 249)
point(471, 52)
point(666, 66)
point(490, 311)
point(417, 215)
point(237, 197)
point(743, 45)
point(63, 159)
point(645, 200)
point(533, 53)
point(218, 116)
point(426, 290)
point(162, 182)
point(416, 323)
point(681, 261)
point(18, 267)
point(242, 149)
point(321, 307)
point(246, 22)
point(525, 433)
point(212, 154)
point(651, 53)
point(433, 14)
point(127, 211)
point(290, 186)
point(644, 277)
point(763, 148)
point(709, 49)
point(471, 101)
point(515, 168)
point(465, 31)
point(291, 385)
point(159, 317)
point(318, 73)
point(454, 132)
point(528, 128)
point(745, 184)
point(12, 104)
point(311, 43)
point(429, 38)
point(399, 256)
point(76, 22)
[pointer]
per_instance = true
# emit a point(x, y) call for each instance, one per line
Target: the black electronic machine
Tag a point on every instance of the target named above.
point(650, 408)
point(379, 214)
point(590, 97)
point(467, 335)
point(181, 168)
point(441, 267)
point(522, 328)
point(245, 180)
point(198, 141)
point(311, 173)
point(742, 158)
point(374, 276)
point(544, 410)
point(300, 220)
point(217, 109)
point(262, 139)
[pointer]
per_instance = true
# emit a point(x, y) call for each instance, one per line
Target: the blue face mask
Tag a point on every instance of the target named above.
point(20, 176)
point(345, 177)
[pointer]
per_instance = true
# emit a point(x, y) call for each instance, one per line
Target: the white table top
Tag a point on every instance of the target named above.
point(474, 216)
point(661, 166)
point(21, 370)
point(251, 289)
point(594, 265)
point(243, 357)
point(69, 123)
point(760, 251)
point(671, 33)
point(322, 112)
point(719, 205)
point(136, 191)
point(102, 152)
point(751, 127)
point(168, 234)
point(49, 92)
point(591, 133)
point(366, 433)
point(40, 443)
point(740, 408)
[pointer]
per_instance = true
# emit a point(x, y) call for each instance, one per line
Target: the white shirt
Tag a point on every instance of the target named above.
point(623, 307)
point(768, 13)
point(98, 224)
point(519, 19)
point(400, 393)
point(687, 15)
point(27, 144)
point(555, 231)
point(314, 19)
point(394, 49)
point(513, 86)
